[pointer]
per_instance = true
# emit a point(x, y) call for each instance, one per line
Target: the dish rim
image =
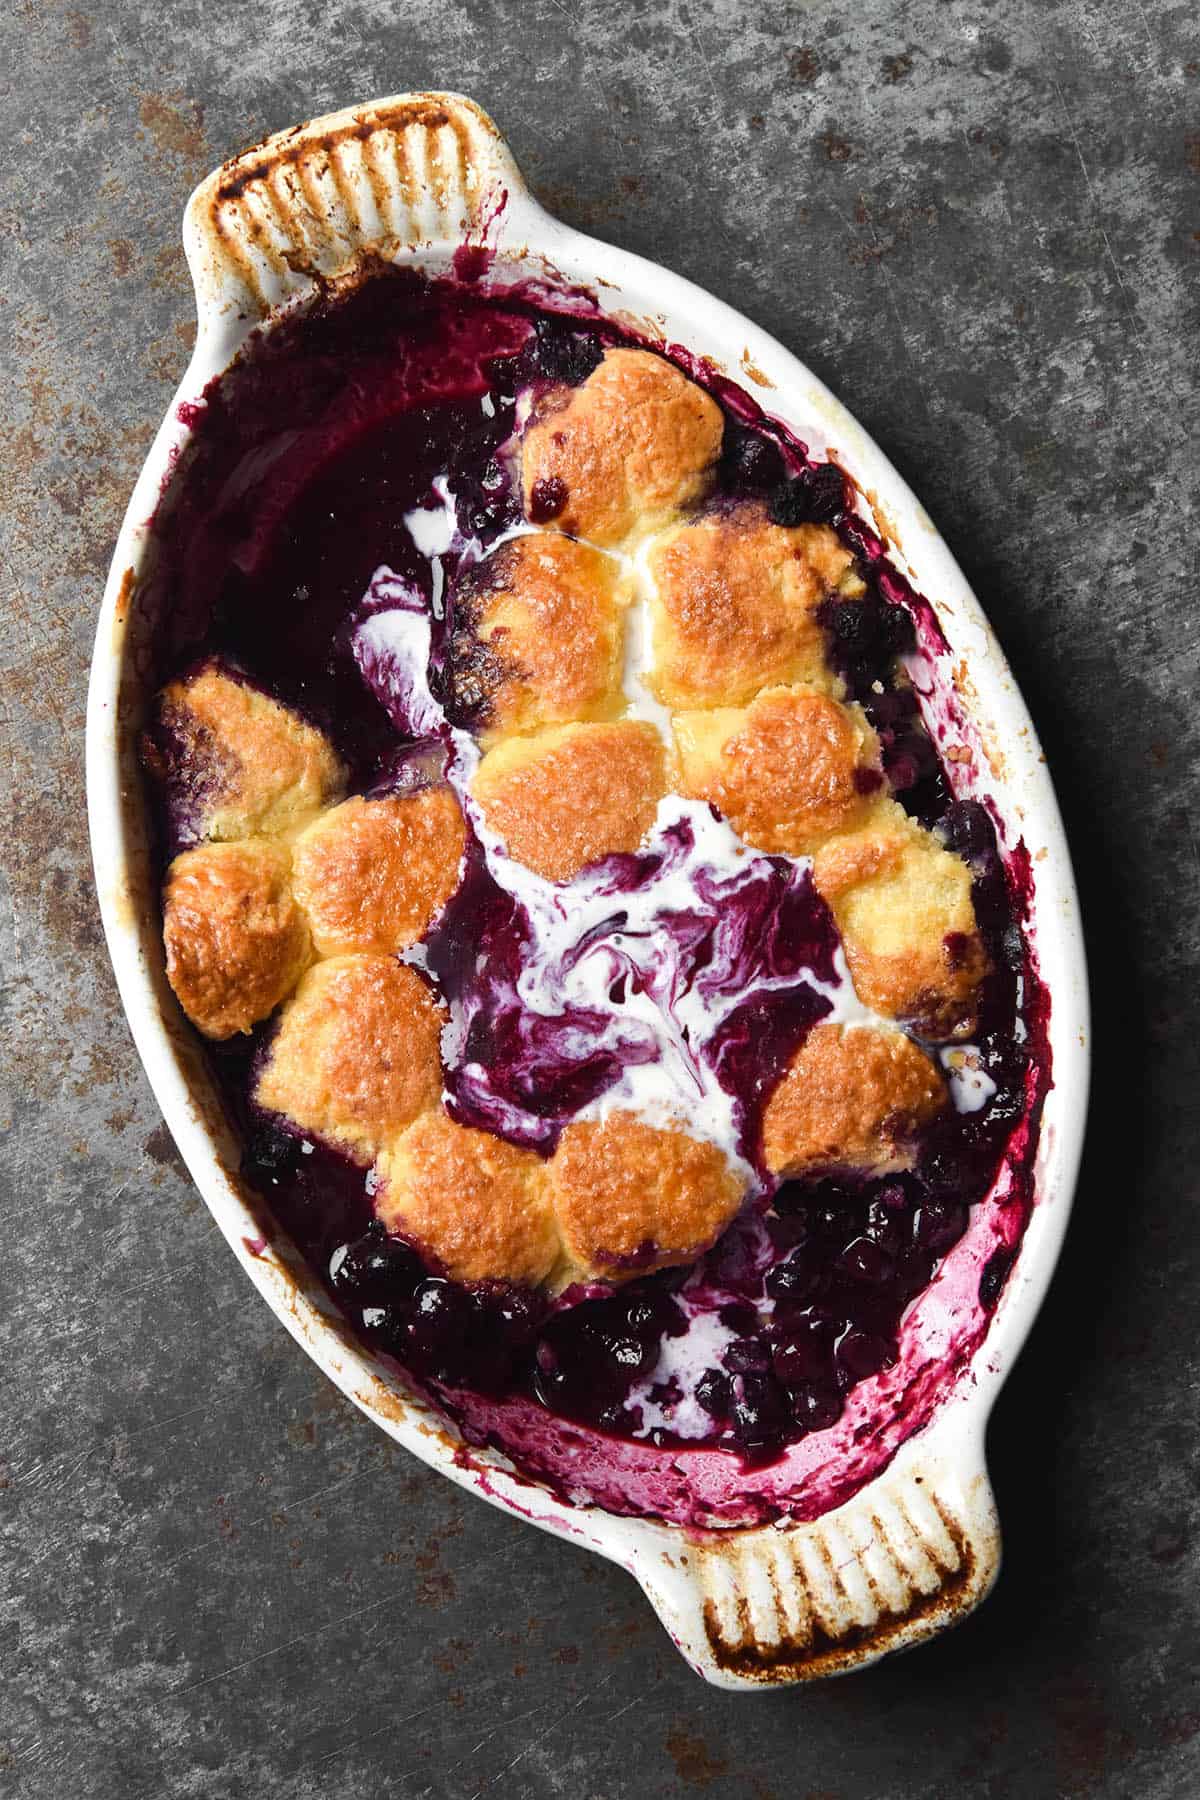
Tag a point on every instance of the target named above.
point(949, 1449)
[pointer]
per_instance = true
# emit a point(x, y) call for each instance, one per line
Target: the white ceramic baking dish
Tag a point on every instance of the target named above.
point(414, 178)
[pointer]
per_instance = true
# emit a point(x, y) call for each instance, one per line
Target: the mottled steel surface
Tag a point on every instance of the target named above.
point(979, 223)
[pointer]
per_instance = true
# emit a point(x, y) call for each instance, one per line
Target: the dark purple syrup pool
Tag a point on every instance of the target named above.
point(303, 462)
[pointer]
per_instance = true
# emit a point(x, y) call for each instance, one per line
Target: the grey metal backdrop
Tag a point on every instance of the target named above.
point(981, 224)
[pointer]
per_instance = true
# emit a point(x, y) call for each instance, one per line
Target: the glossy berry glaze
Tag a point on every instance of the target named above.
point(774, 1376)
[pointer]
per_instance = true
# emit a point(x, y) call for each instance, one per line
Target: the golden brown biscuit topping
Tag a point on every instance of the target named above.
point(372, 874)
point(255, 765)
point(631, 1196)
point(739, 654)
point(476, 1204)
point(569, 796)
point(356, 1056)
point(851, 1098)
point(631, 446)
point(546, 612)
point(735, 607)
point(236, 941)
point(788, 771)
point(903, 906)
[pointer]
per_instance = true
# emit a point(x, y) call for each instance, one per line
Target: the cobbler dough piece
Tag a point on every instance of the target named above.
point(902, 903)
point(632, 445)
point(632, 1197)
point(573, 794)
point(788, 771)
point(544, 619)
point(733, 606)
point(478, 1205)
point(851, 1097)
point(372, 874)
point(236, 762)
point(355, 1058)
point(236, 941)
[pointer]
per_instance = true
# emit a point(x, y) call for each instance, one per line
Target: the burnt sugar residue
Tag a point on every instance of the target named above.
point(373, 432)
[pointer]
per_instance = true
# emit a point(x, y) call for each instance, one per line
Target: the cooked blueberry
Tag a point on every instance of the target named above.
point(814, 498)
point(653, 1314)
point(945, 1170)
point(861, 1354)
point(801, 1277)
point(792, 1199)
point(568, 356)
point(760, 1414)
point(911, 758)
point(440, 1315)
point(714, 1391)
point(805, 1353)
point(747, 1356)
point(864, 1260)
point(386, 1325)
point(748, 461)
point(854, 626)
point(894, 707)
point(995, 1274)
point(270, 1154)
point(885, 1226)
point(628, 1354)
point(966, 828)
point(897, 633)
point(547, 499)
point(938, 1225)
point(816, 1408)
point(375, 1268)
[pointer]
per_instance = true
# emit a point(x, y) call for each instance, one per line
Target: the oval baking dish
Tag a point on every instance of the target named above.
point(425, 180)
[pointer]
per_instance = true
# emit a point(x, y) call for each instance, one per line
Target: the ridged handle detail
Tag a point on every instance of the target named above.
point(918, 1548)
point(307, 204)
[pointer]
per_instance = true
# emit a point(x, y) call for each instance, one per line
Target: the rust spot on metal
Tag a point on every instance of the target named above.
point(695, 1763)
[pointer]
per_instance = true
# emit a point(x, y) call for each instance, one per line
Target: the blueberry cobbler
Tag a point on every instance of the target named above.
point(614, 1001)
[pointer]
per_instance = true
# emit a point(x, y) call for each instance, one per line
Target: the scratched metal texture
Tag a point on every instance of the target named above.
point(981, 224)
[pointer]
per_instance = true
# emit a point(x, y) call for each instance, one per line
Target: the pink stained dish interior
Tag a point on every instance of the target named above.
point(433, 1005)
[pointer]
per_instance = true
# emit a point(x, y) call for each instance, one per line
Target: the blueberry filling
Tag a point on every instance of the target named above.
point(305, 461)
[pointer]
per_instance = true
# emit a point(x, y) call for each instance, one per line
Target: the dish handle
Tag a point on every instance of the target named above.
point(426, 170)
point(915, 1550)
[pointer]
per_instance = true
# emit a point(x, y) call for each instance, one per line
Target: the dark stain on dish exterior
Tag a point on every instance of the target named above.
point(160, 1148)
